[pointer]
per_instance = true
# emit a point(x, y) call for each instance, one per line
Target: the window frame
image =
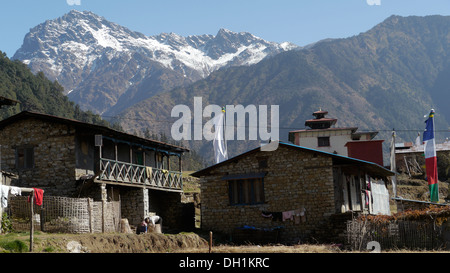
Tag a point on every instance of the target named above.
point(248, 191)
point(27, 153)
point(323, 141)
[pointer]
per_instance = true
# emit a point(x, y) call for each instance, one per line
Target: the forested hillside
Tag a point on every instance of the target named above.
point(37, 93)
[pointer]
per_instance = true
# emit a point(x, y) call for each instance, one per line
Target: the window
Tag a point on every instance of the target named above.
point(246, 191)
point(323, 141)
point(24, 158)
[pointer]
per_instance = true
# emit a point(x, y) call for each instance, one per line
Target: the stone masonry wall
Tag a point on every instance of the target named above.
point(138, 203)
point(295, 179)
point(169, 206)
point(133, 204)
point(54, 155)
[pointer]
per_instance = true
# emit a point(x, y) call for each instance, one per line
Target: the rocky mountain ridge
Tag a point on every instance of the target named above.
point(105, 67)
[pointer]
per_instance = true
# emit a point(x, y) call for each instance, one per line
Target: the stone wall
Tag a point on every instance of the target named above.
point(405, 204)
point(54, 155)
point(295, 179)
point(133, 204)
point(177, 215)
point(416, 163)
point(138, 203)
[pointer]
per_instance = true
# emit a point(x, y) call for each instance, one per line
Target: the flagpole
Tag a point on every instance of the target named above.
point(224, 131)
point(429, 139)
point(434, 134)
point(393, 165)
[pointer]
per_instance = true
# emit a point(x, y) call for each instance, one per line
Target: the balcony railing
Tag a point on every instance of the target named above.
point(128, 173)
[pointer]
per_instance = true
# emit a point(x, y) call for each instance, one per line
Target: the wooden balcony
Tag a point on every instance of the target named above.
point(139, 175)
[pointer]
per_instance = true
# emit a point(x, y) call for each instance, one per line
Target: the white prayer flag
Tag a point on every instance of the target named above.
point(219, 142)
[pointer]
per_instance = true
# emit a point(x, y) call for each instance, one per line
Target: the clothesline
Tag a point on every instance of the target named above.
point(5, 190)
point(36, 197)
point(298, 215)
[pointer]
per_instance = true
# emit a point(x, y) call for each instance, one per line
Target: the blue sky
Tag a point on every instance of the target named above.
point(298, 21)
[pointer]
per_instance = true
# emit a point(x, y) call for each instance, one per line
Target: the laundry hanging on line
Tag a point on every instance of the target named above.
point(4, 193)
point(38, 196)
point(288, 215)
point(276, 216)
point(4, 190)
point(297, 215)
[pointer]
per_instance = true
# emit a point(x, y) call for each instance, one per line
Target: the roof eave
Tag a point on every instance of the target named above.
point(99, 128)
point(369, 165)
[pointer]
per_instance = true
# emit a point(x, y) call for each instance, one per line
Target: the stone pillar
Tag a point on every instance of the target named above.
point(145, 202)
point(135, 204)
point(104, 194)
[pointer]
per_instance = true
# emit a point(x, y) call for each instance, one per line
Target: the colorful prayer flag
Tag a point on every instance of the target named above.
point(430, 157)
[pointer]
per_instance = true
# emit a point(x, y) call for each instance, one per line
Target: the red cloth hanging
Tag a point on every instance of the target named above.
point(38, 196)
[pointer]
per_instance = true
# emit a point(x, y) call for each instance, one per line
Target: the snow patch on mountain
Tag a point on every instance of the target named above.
point(86, 37)
point(104, 64)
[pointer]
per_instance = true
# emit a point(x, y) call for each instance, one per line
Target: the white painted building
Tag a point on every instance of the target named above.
point(331, 140)
point(321, 135)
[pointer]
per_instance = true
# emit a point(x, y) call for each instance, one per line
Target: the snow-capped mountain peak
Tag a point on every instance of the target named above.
point(73, 47)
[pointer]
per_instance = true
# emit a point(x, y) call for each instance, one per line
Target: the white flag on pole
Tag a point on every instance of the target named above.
point(418, 143)
point(219, 142)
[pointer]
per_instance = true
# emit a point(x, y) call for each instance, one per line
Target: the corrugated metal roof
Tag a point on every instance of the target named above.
point(97, 128)
point(372, 167)
point(353, 129)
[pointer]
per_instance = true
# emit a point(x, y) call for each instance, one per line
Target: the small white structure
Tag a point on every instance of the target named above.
point(322, 136)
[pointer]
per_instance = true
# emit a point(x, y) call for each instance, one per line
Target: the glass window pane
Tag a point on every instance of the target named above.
point(29, 160)
point(246, 191)
point(20, 158)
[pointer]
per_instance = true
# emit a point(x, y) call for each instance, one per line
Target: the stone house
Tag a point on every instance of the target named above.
point(409, 157)
point(301, 192)
point(69, 158)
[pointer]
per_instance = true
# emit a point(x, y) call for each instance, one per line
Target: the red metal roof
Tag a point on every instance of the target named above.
point(322, 120)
